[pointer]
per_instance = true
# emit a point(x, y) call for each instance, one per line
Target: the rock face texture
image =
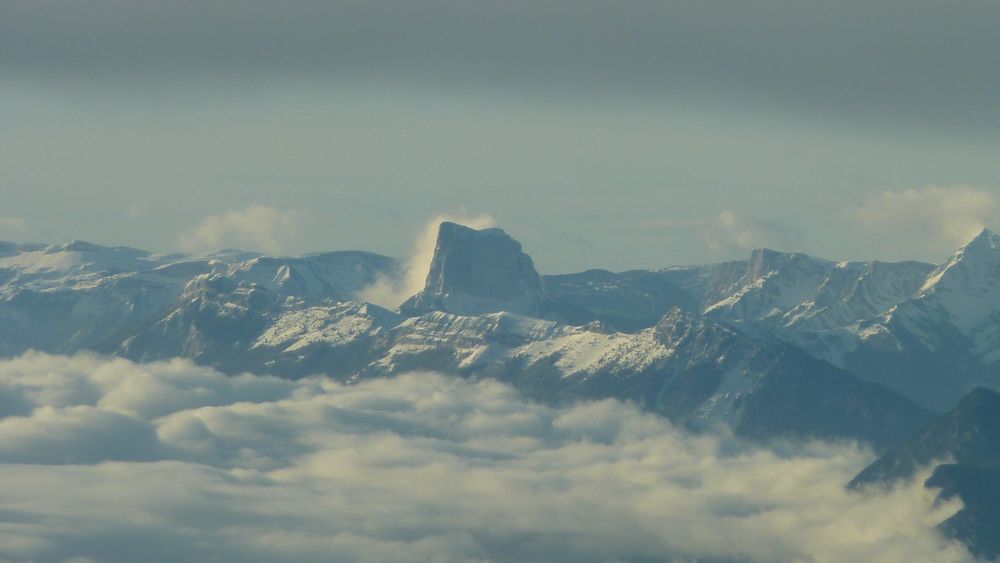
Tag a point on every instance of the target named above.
point(474, 272)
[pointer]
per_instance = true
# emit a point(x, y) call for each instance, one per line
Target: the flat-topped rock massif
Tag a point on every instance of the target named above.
point(474, 272)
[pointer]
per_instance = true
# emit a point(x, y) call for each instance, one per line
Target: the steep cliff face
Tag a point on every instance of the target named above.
point(475, 272)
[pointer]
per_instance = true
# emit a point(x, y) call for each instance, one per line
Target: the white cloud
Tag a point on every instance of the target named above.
point(728, 234)
point(391, 293)
point(925, 222)
point(170, 461)
point(256, 227)
point(12, 227)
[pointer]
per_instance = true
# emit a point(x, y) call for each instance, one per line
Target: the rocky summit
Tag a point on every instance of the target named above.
point(478, 271)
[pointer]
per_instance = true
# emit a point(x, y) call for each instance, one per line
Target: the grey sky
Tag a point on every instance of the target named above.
point(600, 134)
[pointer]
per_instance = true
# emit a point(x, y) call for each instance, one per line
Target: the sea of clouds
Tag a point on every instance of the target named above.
point(107, 460)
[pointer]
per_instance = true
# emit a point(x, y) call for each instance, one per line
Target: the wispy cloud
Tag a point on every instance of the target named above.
point(910, 222)
point(257, 227)
point(12, 227)
point(730, 231)
point(727, 234)
point(112, 460)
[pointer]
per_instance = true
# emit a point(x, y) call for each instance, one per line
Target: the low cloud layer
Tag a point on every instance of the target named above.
point(933, 218)
point(110, 460)
point(256, 227)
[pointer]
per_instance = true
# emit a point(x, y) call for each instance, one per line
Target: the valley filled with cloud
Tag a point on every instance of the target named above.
point(105, 459)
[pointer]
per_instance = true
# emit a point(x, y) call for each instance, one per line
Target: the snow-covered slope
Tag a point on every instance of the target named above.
point(686, 367)
point(774, 284)
point(931, 333)
point(945, 339)
point(965, 293)
point(289, 317)
point(71, 296)
point(928, 332)
point(74, 265)
point(68, 297)
point(315, 278)
point(788, 292)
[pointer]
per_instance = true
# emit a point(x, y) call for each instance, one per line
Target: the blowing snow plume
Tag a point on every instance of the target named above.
point(108, 460)
point(392, 292)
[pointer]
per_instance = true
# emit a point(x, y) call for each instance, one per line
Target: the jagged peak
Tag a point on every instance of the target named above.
point(983, 249)
point(764, 261)
point(985, 244)
point(985, 241)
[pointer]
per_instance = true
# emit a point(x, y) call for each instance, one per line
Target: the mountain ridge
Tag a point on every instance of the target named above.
point(868, 318)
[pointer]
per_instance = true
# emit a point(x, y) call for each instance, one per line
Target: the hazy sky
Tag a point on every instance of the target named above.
point(600, 134)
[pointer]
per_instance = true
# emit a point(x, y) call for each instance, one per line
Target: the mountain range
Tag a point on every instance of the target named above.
point(778, 346)
point(927, 332)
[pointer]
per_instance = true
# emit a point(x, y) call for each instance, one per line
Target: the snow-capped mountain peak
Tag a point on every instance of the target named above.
point(774, 283)
point(967, 287)
point(981, 255)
